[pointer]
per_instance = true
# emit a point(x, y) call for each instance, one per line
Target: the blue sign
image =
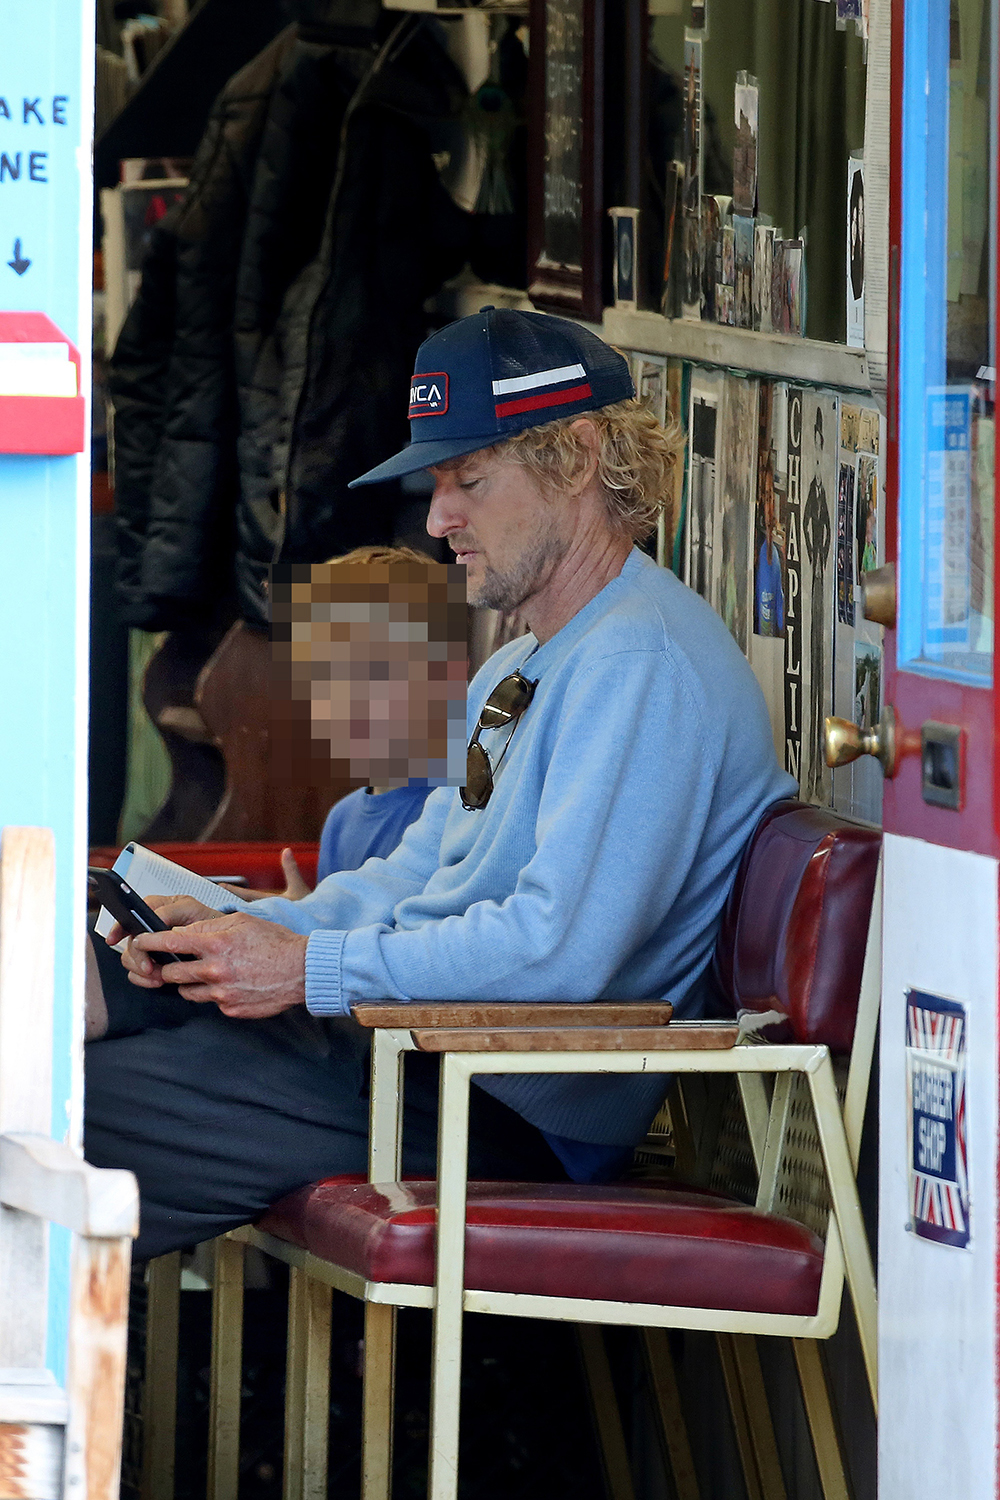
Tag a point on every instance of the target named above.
point(46, 267)
point(936, 1031)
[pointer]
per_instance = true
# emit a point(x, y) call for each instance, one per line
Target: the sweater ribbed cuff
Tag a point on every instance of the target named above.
point(324, 988)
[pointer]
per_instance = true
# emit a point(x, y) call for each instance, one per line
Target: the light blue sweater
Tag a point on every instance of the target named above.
point(600, 866)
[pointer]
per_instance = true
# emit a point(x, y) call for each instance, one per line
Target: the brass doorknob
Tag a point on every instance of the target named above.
point(878, 595)
point(846, 741)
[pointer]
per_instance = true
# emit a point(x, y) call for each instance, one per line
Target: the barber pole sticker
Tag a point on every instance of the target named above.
point(936, 1032)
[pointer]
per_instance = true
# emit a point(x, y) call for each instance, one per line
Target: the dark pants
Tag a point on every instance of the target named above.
point(219, 1118)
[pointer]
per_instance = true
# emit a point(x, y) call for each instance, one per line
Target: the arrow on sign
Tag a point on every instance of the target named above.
point(18, 264)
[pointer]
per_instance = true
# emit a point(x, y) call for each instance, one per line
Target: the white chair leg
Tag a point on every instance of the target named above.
point(751, 1416)
point(820, 1416)
point(607, 1417)
point(378, 1401)
point(666, 1393)
point(307, 1388)
point(449, 1278)
point(227, 1372)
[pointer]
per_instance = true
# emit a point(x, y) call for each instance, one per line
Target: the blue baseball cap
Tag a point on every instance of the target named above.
point(495, 373)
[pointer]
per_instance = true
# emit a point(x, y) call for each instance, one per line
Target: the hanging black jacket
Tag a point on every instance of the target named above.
point(265, 362)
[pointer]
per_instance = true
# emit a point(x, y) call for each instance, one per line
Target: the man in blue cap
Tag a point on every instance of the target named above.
point(619, 757)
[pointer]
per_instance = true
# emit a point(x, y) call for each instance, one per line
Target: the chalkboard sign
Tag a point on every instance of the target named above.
point(567, 46)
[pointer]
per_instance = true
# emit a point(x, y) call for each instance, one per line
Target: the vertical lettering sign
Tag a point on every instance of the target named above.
point(936, 1033)
point(793, 580)
point(562, 205)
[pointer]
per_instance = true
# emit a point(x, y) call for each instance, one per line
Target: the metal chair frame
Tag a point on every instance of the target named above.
point(847, 1253)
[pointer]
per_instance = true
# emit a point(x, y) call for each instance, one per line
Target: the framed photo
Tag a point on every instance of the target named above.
point(625, 227)
point(566, 120)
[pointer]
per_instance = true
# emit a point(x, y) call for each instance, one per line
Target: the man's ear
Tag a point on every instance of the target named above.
point(588, 435)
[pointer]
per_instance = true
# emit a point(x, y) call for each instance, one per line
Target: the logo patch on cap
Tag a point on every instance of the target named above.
point(429, 394)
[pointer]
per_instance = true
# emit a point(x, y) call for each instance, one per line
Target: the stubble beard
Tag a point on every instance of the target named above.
point(508, 590)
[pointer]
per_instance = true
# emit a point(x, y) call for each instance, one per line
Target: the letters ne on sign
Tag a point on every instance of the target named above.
point(29, 166)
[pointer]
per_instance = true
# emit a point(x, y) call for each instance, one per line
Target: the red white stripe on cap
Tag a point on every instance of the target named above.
point(535, 392)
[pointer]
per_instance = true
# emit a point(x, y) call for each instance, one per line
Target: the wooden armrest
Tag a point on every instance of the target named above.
point(696, 1037)
point(45, 1178)
point(395, 1017)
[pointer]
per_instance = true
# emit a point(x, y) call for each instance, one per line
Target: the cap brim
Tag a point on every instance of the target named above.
point(417, 456)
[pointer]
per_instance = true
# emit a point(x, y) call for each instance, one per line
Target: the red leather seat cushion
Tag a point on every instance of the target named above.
point(259, 863)
point(623, 1243)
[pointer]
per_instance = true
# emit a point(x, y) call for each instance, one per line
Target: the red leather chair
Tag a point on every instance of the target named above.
point(798, 947)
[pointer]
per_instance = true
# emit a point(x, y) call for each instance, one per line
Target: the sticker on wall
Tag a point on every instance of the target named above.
point(936, 1035)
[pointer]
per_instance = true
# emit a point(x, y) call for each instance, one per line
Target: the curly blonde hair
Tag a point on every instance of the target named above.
point(635, 463)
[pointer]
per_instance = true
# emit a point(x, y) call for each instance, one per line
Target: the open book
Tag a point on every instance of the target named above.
point(150, 874)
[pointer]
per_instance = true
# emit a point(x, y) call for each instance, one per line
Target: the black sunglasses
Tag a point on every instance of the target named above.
point(505, 705)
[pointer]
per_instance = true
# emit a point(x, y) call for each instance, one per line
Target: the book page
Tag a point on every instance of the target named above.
point(149, 874)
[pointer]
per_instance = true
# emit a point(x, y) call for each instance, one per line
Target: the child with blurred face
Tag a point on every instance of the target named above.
point(375, 641)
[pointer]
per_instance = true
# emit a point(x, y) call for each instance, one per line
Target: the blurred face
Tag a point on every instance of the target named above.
point(382, 705)
point(379, 655)
point(508, 534)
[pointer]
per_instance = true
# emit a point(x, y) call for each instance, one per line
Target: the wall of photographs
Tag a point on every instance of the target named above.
point(776, 512)
point(752, 211)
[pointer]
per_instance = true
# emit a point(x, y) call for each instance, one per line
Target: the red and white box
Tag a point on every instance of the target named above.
point(41, 408)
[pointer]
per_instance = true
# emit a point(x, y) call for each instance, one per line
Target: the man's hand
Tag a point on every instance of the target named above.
point(248, 967)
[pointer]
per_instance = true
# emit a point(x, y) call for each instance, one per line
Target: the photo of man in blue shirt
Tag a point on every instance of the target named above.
point(769, 589)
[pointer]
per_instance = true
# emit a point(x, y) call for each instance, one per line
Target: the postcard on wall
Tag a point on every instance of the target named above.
point(703, 432)
point(670, 528)
point(773, 602)
point(743, 268)
point(845, 542)
point(711, 254)
point(745, 107)
point(855, 253)
point(669, 300)
point(735, 506)
point(779, 318)
point(691, 196)
point(763, 256)
point(769, 576)
point(793, 288)
point(649, 373)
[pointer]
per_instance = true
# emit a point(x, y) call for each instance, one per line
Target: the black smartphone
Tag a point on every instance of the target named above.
point(129, 910)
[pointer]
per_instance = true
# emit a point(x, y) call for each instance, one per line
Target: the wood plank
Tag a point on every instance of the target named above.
point(30, 1461)
point(471, 1013)
point(98, 1330)
point(44, 1177)
point(776, 354)
point(577, 1039)
point(29, 1396)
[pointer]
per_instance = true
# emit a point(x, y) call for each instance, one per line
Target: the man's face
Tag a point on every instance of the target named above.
point(508, 534)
